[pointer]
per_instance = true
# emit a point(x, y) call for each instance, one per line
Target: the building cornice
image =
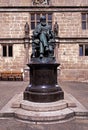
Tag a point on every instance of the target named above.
point(61, 40)
point(11, 40)
point(44, 8)
point(73, 40)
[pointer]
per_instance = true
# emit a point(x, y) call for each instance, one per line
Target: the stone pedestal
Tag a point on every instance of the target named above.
point(43, 85)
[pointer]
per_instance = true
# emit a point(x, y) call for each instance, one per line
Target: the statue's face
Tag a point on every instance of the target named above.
point(43, 20)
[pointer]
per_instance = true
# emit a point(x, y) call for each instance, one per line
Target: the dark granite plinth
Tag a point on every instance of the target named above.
point(43, 85)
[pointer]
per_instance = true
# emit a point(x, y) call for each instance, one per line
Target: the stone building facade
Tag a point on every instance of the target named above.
point(71, 43)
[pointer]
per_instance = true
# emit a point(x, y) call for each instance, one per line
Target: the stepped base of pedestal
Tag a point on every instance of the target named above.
point(46, 94)
point(28, 111)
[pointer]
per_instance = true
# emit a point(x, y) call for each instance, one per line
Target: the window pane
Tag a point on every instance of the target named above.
point(4, 51)
point(87, 17)
point(44, 15)
point(38, 23)
point(38, 17)
point(50, 23)
point(87, 24)
point(83, 25)
point(86, 50)
point(32, 25)
point(83, 16)
point(50, 17)
point(32, 16)
point(80, 50)
point(10, 51)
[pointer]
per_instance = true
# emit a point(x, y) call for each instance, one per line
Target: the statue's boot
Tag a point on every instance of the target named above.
point(46, 48)
point(41, 56)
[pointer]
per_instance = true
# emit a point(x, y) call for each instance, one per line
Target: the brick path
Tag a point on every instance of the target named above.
point(9, 89)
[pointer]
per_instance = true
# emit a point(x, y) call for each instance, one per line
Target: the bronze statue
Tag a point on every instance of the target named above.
point(43, 40)
point(55, 29)
point(43, 86)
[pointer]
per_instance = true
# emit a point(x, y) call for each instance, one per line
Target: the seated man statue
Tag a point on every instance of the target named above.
point(45, 39)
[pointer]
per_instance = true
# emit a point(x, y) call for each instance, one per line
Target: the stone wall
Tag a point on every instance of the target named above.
point(15, 63)
point(12, 24)
point(53, 2)
point(70, 2)
point(73, 66)
point(69, 55)
point(70, 24)
point(15, 2)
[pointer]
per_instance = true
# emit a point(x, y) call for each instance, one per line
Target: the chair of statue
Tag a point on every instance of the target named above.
point(36, 47)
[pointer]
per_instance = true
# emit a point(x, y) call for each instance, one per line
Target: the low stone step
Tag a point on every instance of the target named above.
point(42, 107)
point(44, 116)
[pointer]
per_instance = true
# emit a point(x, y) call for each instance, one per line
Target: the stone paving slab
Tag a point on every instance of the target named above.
point(78, 89)
point(11, 124)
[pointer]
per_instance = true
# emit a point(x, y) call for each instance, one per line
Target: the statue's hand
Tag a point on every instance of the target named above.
point(39, 31)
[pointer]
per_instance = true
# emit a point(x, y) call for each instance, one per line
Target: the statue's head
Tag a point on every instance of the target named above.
point(43, 20)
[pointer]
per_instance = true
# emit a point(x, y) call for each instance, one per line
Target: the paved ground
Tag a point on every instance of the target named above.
point(9, 89)
point(78, 90)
